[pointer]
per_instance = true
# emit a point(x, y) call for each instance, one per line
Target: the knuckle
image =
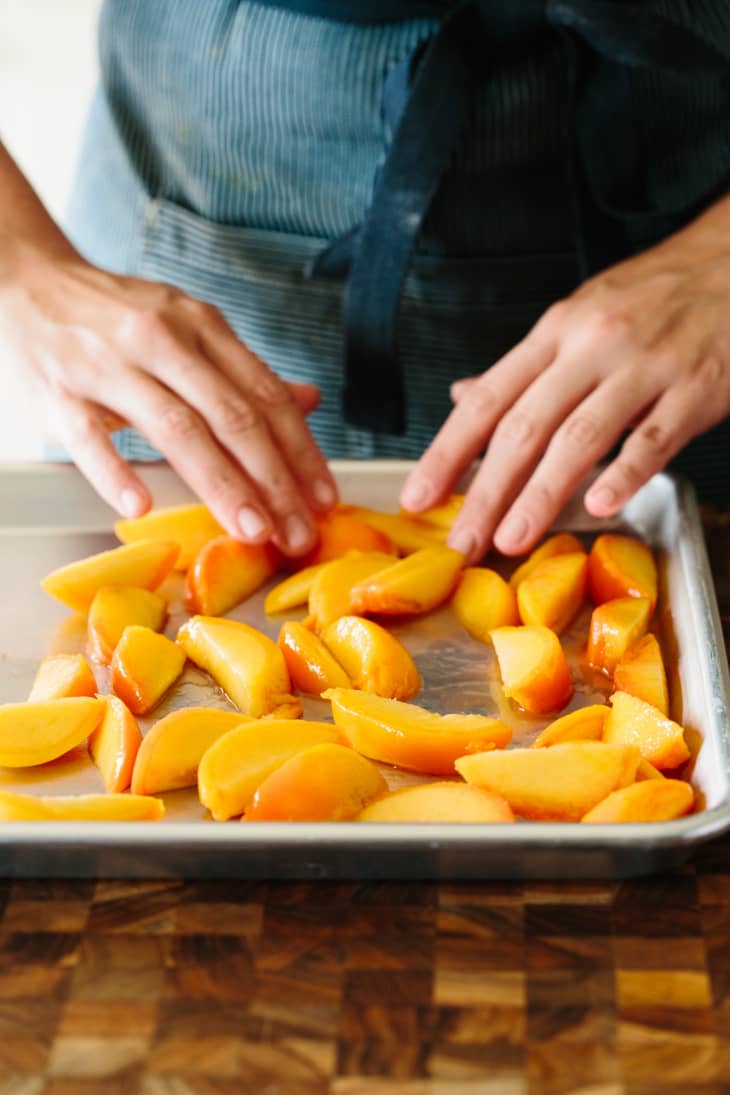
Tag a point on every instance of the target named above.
point(479, 401)
point(655, 437)
point(223, 489)
point(271, 390)
point(177, 421)
point(605, 324)
point(538, 500)
point(580, 430)
point(628, 473)
point(234, 416)
point(711, 372)
point(556, 315)
point(516, 427)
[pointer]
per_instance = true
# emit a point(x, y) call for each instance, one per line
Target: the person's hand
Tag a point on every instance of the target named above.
point(643, 346)
point(101, 351)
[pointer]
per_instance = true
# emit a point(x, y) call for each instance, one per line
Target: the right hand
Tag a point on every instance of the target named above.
point(101, 351)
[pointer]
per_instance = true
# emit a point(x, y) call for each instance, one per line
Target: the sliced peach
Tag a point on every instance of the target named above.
point(293, 592)
point(190, 527)
point(442, 516)
point(409, 736)
point(560, 784)
point(621, 566)
point(406, 533)
point(533, 668)
point(340, 533)
point(641, 672)
point(439, 802)
point(374, 660)
point(79, 807)
point(652, 800)
point(234, 766)
point(585, 724)
point(34, 733)
point(247, 664)
point(562, 543)
point(312, 667)
point(226, 572)
point(414, 585)
point(614, 627)
point(171, 750)
point(648, 771)
point(330, 595)
point(144, 666)
point(60, 676)
point(325, 783)
point(483, 601)
point(144, 563)
point(114, 744)
point(117, 607)
point(659, 739)
point(553, 592)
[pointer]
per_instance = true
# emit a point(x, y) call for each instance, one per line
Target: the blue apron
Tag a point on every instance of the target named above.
point(231, 143)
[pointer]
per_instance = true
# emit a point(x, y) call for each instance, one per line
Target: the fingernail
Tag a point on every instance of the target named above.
point(463, 540)
point(513, 530)
point(298, 533)
point(415, 495)
point(324, 492)
point(132, 503)
point(251, 523)
point(604, 498)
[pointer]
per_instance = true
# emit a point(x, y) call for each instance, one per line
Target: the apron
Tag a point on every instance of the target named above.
point(230, 143)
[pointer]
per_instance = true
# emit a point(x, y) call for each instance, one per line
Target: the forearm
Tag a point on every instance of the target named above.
point(25, 225)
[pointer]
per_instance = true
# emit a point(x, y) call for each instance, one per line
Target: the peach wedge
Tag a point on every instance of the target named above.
point(441, 516)
point(483, 601)
point(614, 627)
point(60, 676)
point(34, 733)
point(144, 666)
point(406, 533)
point(373, 659)
point(409, 736)
point(558, 784)
point(641, 672)
point(439, 802)
point(190, 527)
point(325, 783)
point(562, 543)
point(247, 664)
point(117, 607)
point(114, 744)
point(331, 593)
point(659, 739)
point(172, 749)
point(79, 807)
point(340, 533)
point(553, 593)
point(226, 572)
point(312, 667)
point(621, 566)
point(585, 724)
point(293, 592)
point(236, 765)
point(414, 585)
point(533, 668)
point(652, 800)
point(144, 563)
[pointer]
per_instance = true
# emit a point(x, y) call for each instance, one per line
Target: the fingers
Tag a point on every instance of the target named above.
point(308, 396)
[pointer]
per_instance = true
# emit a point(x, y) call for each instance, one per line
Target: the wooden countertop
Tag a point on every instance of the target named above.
point(366, 988)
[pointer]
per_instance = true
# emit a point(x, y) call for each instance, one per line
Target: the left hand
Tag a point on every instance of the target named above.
point(643, 346)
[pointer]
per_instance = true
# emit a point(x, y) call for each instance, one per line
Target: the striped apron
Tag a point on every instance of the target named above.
point(230, 143)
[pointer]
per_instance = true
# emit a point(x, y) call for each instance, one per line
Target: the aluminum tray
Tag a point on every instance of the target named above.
point(49, 516)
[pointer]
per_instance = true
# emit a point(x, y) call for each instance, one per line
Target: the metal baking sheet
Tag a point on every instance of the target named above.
point(49, 516)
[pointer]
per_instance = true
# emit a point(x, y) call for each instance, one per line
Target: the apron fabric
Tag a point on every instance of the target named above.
point(230, 143)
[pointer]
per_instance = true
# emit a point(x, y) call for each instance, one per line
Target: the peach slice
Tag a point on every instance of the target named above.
point(226, 572)
point(641, 672)
point(439, 802)
point(34, 733)
point(312, 667)
point(585, 724)
point(409, 736)
point(60, 676)
point(483, 601)
point(533, 668)
point(659, 739)
point(406, 533)
point(340, 533)
point(190, 527)
point(117, 607)
point(441, 516)
point(558, 784)
point(648, 771)
point(79, 807)
point(234, 766)
point(114, 744)
point(621, 566)
point(144, 563)
point(652, 800)
point(614, 627)
point(144, 666)
point(172, 749)
point(374, 660)
point(325, 783)
point(247, 664)
point(330, 595)
point(562, 543)
point(293, 592)
point(414, 585)
point(553, 592)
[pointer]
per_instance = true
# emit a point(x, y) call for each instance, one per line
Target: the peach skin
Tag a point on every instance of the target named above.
point(293, 592)
point(553, 592)
point(409, 736)
point(585, 724)
point(144, 563)
point(190, 527)
point(226, 572)
point(373, 659)
point(61, 676)
point(439, 802)
point(144, 666)
point(117, 607)
point(414, 585)
point(483, 601)
point(34, 733)
point(330, 596)
point(562, 543)
point(327, 782)
point(614, 627)
point(533, 668)
point(659, 739)
point(641, 672)
point(340, 533)
point(652, 800)
point(171, 750)
point(406, 533)
point(621, 566)
point(114, 744)
point(312, 667)
point(79, 807)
